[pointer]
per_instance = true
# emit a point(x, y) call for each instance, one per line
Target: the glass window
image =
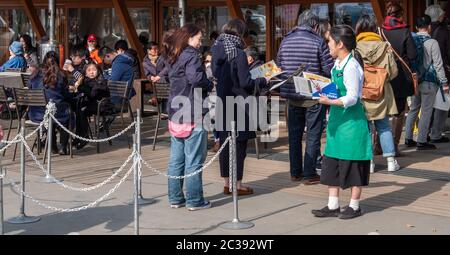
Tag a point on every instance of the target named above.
point(142, 20)
point(255, 18)
point(286, 15)
point(209, 19)
point(212, 18)
point(60, 18)
point(349, 13)
point(106, 25)
point(13, 22)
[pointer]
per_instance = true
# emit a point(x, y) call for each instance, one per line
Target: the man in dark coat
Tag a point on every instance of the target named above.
point(400, 38)
point(124, 65)
point(303, 45)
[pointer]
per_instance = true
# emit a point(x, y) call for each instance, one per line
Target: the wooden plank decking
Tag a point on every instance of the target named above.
point(421, 186)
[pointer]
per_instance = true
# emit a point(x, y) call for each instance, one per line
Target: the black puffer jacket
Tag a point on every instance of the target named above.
point(403, 43)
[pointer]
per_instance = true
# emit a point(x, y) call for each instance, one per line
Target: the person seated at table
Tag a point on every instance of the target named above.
point(92, 46)
point(152, 62)
point(50, 78)
point(90, 92)
point(16, 58)
point(78, 59)
point(30, 52)
point(107, 63)
point(125, 66)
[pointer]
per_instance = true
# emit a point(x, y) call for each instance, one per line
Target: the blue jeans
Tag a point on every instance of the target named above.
point(313, 118)
point(384, 131)
point(187, 155)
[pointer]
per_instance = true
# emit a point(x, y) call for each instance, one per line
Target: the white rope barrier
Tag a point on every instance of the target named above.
point(93, 140)
point(77, 209)
point(191, 174)
point(109, 179)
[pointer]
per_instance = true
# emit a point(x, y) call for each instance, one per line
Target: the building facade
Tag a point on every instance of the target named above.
point(140, 21)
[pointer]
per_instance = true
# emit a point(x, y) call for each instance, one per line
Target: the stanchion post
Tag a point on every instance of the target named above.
point(136, 190)
point(235, 223)
point(22, 218)
point(2, 175)
point(141, 199)
point(48, 178)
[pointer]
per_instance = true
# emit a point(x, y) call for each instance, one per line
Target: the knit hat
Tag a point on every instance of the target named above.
point(435, 12)
point(16, 48)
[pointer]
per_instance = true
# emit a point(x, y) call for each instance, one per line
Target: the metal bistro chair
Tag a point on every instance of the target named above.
point(119, 96)
point(25, 79)
point(4, 101)
point(161, 91)
point(26, 98)
point(35, 97)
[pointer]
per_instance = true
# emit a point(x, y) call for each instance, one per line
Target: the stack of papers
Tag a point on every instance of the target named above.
point(268, 70)
point(314, 86)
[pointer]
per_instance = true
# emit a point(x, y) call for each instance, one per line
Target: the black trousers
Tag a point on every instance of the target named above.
point(241, 154)
point(63, 136)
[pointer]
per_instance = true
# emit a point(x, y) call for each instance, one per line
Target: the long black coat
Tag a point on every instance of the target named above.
point(233, 79)
point(441, 33)
point(403, 43)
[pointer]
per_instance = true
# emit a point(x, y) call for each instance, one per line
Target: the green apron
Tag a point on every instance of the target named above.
point(348, 136)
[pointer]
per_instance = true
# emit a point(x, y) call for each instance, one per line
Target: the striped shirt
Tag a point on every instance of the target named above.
point(303, 46)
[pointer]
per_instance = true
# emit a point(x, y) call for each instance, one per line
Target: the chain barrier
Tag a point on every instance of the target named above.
point(93, 140)
point(230, 164)
point(188, 175)
point(77, 209)
point(109, 179)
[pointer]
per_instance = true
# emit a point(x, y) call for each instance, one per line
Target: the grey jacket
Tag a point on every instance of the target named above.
point(432, 55)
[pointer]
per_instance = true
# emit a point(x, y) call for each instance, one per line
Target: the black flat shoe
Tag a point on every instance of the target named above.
point(410, 143)
point(425, 146)
point(326, 212)
point(349, 213)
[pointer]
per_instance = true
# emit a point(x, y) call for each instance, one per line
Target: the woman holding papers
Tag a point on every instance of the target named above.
point(378, 54)
point(348, 150)
point(234, 81)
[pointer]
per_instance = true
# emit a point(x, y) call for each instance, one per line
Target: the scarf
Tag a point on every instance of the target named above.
point(391, 23)
point(368, 36)
point(153, 59)
point(231, 43)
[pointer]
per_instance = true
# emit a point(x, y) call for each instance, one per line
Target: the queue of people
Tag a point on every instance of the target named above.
point(361, 122)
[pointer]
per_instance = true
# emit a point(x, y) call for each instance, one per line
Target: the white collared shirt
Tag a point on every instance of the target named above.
point(353, 80)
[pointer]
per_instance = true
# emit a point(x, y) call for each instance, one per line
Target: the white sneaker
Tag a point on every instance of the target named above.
point(372, 167)
point(393, 165)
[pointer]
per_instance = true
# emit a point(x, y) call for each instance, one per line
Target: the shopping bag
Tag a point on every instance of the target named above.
point(442, 101)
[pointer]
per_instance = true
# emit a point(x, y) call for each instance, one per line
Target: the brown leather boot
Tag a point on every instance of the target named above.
point(397, 129)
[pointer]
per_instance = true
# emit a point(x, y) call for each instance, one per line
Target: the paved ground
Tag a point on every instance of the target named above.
point(412, 201)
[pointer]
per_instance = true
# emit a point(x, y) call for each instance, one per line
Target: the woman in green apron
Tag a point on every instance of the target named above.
point(348, 149)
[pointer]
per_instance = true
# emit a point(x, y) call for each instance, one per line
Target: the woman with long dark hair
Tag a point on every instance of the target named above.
point(188, 85)
point(50, 78)
point(348, 151)
point(230, 67)
point(399, 36)
point(30, 52)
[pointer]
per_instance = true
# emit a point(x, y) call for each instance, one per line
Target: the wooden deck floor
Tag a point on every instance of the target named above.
point(423, 185)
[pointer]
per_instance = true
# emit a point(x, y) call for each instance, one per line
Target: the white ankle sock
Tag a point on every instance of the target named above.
point(333, 203)
point(390, 159)
point(354, 203)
